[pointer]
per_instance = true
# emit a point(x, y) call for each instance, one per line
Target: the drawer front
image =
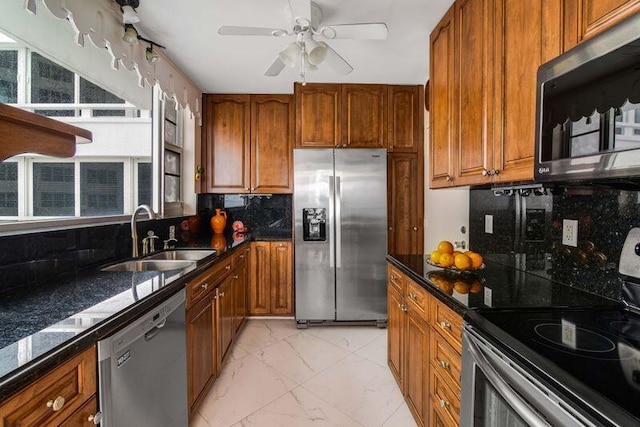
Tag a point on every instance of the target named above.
point(448, 323)
point(203, 284)
point(54, 397)
point(447, 401)
point(239, 258)
point(417, 297)
point(395, 278)
point(83, 416)
point(445, 360)
point(438, 416)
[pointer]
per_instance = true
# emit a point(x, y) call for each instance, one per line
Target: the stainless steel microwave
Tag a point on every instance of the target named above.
point(588, 109)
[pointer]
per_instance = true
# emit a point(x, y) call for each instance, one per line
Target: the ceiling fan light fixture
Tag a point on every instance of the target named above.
point(289, 55)
point(130, 34)
point(316, 52)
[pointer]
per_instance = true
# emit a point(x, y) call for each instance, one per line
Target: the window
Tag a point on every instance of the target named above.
point(51, 84)
point(53, 189)
point(101, 189)
point(172, 131)
point(92, 94)
point(8, 188)
point(9, 76)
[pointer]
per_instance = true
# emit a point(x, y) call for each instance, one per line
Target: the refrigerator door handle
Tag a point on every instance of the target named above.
point(338, 222)
point(332, 254)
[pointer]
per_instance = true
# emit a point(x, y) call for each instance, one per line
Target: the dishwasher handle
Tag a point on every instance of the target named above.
point(148, 336)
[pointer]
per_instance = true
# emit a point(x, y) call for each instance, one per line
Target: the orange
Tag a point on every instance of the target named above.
point(461, 287)
point(435, 256)
point(476, 286)
point(446, 259)
point(462, 262)
point(476, 260)
point(445, 247)
point(455, 253)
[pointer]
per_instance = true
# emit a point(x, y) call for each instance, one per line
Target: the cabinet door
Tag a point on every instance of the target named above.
point(260, 279)
point(272, 121)
point(71, 384)
point(226, 133)
point(527, 34)
point(441, 94)
point(225, 317)
point(82, 415)
point(364, 116)
point(405, 206)
point(395, 334)
point(405, 121)
point(201, 349)
point(417, 356)
point(318, 109)
point(474, 45)
point(240, 295)
point(586, 18)
point(281, 278)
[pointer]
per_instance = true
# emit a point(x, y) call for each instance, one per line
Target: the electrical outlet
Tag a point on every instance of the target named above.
point(570, 232)
point(488, 224)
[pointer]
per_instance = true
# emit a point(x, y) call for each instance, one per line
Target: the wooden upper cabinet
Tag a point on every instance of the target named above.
point(585, 18)
point(441, 94)
point(226, 136)
point(474, 44)
point(364, 116)
point(318, 109)
point(405, 234)
point(405, 131)
point(272, 128)
point(527, 34)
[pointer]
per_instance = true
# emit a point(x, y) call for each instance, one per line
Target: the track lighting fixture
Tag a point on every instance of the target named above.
point(128, 8)
point(130, 34)
point(151, 55)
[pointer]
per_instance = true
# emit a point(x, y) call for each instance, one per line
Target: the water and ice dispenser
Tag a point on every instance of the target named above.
point(314, 224)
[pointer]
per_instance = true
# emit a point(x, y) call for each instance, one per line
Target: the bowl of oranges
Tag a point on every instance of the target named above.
point(446, 257)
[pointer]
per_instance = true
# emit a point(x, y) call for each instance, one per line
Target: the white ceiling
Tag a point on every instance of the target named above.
point(235, 64)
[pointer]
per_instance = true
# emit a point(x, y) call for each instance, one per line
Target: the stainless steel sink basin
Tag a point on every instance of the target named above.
point(149, 265)
point(181, 254)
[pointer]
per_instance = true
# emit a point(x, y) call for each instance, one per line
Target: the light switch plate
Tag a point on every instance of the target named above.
point(488, 297)
point(570, 232)
point(568, 333)
point(488, 224)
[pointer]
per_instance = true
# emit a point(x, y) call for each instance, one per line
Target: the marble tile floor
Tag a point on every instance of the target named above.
point(281, 376)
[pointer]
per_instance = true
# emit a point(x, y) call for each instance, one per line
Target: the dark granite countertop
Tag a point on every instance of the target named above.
point(498, 285)
point(42, 326)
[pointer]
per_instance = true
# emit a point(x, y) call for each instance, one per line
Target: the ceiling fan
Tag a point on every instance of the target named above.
point(306, 20)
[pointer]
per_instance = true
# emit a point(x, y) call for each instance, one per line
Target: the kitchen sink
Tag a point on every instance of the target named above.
point(149, 265)
point(181, 254)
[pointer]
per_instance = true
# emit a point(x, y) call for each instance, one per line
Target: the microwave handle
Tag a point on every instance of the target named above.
point(506, 392)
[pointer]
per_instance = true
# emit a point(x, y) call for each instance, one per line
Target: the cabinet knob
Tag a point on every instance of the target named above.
point(198, 175)
point(235, 277)
point(496, 172)
point(445, 325)
point(96, 419)
point(443, 364)
point(246, 189)
point(444, 403)
point(404, 308)
point(221, 295)
point(394, 277)
point(205, 286)
point(413, 296)
point(486, 172)
point(415, 228)
point(449, 178)
point(390, 228)
point(241, 256)
point(228, 267)
point(253, 188)
point(56, 404)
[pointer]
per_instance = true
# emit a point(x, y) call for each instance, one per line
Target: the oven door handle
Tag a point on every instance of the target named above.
point(513, 399)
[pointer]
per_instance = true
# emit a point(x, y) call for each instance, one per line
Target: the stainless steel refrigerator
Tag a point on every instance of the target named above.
point(340, 205)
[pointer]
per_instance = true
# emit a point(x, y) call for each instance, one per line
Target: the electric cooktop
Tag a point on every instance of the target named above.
point(599, 348)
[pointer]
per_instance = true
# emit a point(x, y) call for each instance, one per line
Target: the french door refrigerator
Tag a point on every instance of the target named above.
point(340, 237)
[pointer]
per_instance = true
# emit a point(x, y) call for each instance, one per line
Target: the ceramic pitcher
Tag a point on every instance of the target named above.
point(219, 221)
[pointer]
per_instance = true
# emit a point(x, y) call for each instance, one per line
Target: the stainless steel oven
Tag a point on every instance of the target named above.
point(498, 392)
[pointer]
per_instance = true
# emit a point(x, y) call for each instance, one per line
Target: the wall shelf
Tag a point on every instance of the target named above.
point(25, 132)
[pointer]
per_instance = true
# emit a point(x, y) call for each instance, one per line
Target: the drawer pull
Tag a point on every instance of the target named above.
point(413, 296)
point(235, 277)
point(241, 256)
point(394, 277)
point(205, 286)
point(57, 404)
point(96, 419)
point(227, 267)
point(445, 325)
point(221, 294)
point(443, 364)
point(444, 403)
point(404, 308)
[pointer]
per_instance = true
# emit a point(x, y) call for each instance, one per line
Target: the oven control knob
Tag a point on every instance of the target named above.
point(637, 248)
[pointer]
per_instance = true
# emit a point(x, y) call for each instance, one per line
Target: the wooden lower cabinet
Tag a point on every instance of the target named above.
point(423, 356)
point(83, 416)
point(58, 398)
point(213, 321)
point(271, 279)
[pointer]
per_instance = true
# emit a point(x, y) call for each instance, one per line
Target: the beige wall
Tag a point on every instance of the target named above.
point(445, 210)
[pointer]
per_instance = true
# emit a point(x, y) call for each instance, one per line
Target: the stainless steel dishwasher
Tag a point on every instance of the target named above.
point(142, 370)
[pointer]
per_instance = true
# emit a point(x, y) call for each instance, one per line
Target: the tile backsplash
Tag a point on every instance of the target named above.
point(527, 233)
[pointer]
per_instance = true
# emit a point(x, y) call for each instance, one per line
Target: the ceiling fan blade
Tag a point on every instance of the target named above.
point(337, 62)
point(275, 68)
point(250, 31)
point(301, 12)
point(367, 31)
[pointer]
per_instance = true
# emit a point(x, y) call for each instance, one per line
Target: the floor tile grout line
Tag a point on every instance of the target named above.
point(393, 413)
point(331, 405)
point(346, 349)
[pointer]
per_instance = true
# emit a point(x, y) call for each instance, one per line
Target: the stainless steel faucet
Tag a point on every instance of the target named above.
point(134, 230)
